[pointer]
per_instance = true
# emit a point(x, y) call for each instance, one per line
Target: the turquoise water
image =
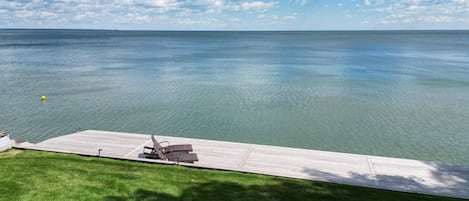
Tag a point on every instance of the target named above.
point(389, 93)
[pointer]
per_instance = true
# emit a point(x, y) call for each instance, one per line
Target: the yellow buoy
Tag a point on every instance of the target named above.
point(43, 98)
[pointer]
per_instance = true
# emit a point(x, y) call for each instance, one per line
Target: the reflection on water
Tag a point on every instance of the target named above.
point(401, 94)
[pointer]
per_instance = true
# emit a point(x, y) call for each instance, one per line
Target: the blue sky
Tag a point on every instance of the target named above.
point(236, 14)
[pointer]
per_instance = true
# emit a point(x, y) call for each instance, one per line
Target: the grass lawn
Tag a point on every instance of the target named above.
point(35, 175)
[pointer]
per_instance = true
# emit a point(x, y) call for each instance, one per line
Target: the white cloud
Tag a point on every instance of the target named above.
point(373, 2)
point(256, 6)
point(201, 5)
point(24, 14)
point(436, 19)
point(301, 2)
point(84, 15)
point(109, 12)
point(272, 17)
point(10, 4)
point(461, 1)
point(123, 12)
point(161, 17)
point(46, 14)
point(162, 3)
point(425, 11)
point(290, 17)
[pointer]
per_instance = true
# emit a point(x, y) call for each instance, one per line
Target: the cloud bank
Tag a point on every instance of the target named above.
point(234, 14)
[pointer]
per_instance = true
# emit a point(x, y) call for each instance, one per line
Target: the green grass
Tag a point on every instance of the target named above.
point(35, 175)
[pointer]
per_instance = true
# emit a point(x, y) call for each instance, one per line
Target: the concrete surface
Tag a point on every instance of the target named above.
point(362, 170)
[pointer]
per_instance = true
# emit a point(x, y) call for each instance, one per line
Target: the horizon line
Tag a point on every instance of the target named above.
point(234, 30)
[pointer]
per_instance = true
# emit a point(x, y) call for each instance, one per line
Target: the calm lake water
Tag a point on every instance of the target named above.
point(389, 93)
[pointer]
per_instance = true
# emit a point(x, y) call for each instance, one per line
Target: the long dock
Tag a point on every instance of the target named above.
point(354, 169)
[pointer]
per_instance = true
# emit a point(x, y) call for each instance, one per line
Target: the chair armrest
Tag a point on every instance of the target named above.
point(150, 148)
point(165, 141)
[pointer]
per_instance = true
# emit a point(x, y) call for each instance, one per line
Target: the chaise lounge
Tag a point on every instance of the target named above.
point(179, 153)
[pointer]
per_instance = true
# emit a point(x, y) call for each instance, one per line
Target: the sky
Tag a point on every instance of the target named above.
point(236, 14)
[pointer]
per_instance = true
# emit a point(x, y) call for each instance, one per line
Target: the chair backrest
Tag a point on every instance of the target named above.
point(158, 148)
point(156, 145)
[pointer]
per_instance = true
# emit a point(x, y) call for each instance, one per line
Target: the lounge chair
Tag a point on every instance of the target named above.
point(179, 153)
point(170, 148)
point(174, 156)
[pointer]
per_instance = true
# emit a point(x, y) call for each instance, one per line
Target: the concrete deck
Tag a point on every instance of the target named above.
point(354, 169)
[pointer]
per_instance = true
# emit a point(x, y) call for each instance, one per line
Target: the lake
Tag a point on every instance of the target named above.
point(389, 93)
